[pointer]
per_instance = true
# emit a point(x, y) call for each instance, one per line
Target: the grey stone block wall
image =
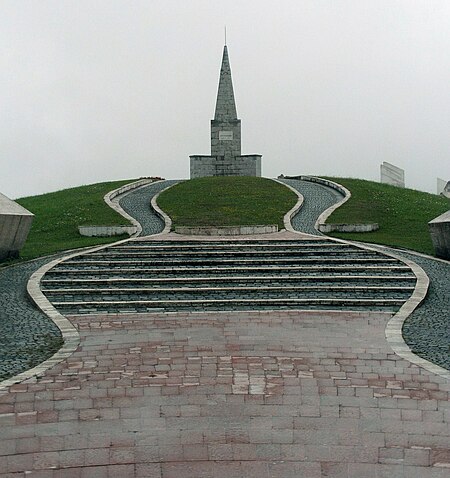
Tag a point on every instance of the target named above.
point(15, 224)
point(226, 138)
point(248, 165)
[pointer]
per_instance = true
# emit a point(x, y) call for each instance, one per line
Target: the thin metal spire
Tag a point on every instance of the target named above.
point(225, 35)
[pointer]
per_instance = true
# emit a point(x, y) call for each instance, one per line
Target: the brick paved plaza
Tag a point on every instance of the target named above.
point(264, 394)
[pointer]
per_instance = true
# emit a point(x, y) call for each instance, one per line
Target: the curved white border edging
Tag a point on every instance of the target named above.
point(327, 213)
point(108, 198)
point(294, 210)
point(161, 213)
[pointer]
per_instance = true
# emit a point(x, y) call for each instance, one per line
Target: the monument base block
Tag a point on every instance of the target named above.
point(244, 165)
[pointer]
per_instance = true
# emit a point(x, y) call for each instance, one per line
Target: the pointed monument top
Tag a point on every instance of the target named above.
point(225, 105)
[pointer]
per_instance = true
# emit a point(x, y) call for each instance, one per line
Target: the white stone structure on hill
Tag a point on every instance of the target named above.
point(391, 174)
point(226, 158)
point(15, 224)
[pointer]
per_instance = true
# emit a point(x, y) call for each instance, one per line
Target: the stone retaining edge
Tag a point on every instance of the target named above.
point(108, 198)
point(108, 231)
point(161, 213)
point(69, 333)
point(226, 230)
point(294, 210)
point(348, 227)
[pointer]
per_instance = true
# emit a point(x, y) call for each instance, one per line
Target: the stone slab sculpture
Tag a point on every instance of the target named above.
point(391, 174)
point(440, 235)
point(15, 224)
point(443, 188)
point(225, 158)
point(440, 185)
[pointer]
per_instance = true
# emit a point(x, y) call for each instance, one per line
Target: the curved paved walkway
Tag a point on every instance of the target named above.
point(317, 198)
point(265, 394)
point(137, 204)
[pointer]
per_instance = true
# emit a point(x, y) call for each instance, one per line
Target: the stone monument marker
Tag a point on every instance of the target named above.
point(391, 174)
point(226, 158)
point(15, 224)
point(443, 187)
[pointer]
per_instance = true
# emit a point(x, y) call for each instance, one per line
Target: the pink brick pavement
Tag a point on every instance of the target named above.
point(257, 394)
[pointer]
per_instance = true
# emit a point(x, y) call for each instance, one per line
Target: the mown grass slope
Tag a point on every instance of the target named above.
point(227, 201)
point(402, 214)
point(58, 215)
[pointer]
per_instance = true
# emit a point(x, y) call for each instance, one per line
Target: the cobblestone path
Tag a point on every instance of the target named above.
point(137, 204)
point(317, 198)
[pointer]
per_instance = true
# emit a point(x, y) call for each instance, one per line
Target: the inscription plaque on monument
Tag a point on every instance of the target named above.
point(225, 135)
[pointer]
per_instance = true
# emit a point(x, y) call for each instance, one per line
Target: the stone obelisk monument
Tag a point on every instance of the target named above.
point(226, 158)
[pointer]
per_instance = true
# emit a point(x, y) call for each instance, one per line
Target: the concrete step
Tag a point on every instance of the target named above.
point(225, 276)
point(287, 288)
point(80, 307)
point(214, 282)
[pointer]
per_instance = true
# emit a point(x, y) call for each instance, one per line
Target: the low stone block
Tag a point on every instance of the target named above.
point(348, 227)
point(106, 231)
point(15, 224)
point(440, 235)
point(226, 231)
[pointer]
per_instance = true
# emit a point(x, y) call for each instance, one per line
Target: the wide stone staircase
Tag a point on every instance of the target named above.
point(149, 276)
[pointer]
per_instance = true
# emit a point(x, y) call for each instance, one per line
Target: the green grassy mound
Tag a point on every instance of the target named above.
point(227, 201)
point(58, 215)
point(402, 214)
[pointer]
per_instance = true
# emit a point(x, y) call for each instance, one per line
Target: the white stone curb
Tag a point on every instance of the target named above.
point(327, 213)
point(292, 212)
point(161, 213)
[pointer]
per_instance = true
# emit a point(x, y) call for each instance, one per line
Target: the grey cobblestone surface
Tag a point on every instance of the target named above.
point(137, 205)
point(27, 336)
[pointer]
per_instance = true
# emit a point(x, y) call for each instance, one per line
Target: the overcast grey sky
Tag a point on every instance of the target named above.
point(105, 89)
